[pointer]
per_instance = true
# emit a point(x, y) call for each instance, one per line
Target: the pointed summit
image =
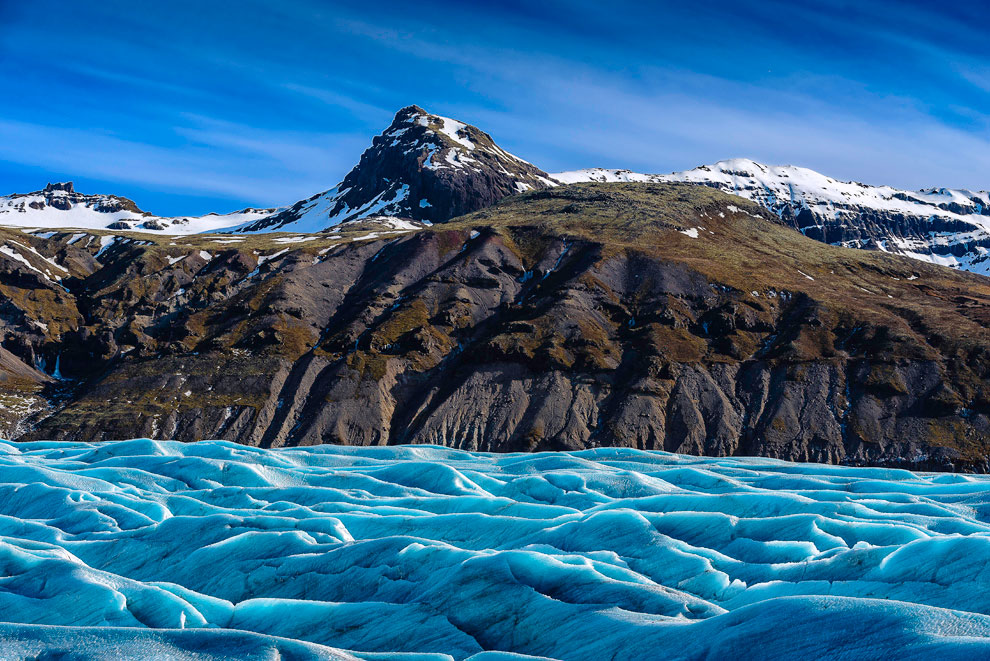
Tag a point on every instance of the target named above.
point(405, 113)
point(423, 167)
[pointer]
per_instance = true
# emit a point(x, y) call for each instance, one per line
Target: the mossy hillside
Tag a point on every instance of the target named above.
point(598, 285)
point(413, 331)
point(646, 219)
point(52, 308)
point(911, 300)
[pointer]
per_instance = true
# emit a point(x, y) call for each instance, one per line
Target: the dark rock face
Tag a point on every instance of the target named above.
point(872, 229)
point(423, 167)
point(569, 318)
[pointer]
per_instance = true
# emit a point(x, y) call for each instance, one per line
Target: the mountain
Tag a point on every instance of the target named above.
point(423, 167)
point(656, 316)
point(58, 205)
point(943, 226)
point(429, 169)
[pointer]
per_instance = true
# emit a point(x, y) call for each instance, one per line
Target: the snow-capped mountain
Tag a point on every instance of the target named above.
point(939, 225)
point(427, 168)
point(423, 167)
point(60, 205)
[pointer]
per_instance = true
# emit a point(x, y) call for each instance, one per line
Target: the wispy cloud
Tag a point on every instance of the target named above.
point(276, 100)
point(360, 109)
point(558, 111)
point(223, 161)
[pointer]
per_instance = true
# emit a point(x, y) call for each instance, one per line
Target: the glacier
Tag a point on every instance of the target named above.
point(210, 550)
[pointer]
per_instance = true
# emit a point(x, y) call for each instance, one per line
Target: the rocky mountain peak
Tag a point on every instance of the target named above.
point(422, 167)
point(428, 168)
point(407, 112)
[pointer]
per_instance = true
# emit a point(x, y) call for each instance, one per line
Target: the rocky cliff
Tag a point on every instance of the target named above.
point(663, 316)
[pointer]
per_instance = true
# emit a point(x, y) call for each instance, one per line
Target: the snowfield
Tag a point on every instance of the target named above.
point(146, 549)
point(31, 210)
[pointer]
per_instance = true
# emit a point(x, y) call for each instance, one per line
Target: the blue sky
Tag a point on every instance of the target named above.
point(192, 106)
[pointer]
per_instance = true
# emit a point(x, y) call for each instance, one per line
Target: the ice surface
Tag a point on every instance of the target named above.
point(157, 549)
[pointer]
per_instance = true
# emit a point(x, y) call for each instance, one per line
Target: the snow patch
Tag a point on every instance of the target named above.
point(294, 239)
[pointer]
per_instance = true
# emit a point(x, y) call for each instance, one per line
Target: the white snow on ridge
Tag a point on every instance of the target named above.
point(32, 211)
point(768, 183)
point(603, 175)
point(17, 211)
point(13, 254)
point(293, 239)
point(451, 128)
point(318, 212)
point(775, 186)
point(275, 255)
point(393, 223)
point(604, 553)
point(212, 222)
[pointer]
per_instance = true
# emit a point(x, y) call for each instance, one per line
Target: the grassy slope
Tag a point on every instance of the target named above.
point(749, 251)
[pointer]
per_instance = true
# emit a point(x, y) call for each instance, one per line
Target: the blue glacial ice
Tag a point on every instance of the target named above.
point(147, 549)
